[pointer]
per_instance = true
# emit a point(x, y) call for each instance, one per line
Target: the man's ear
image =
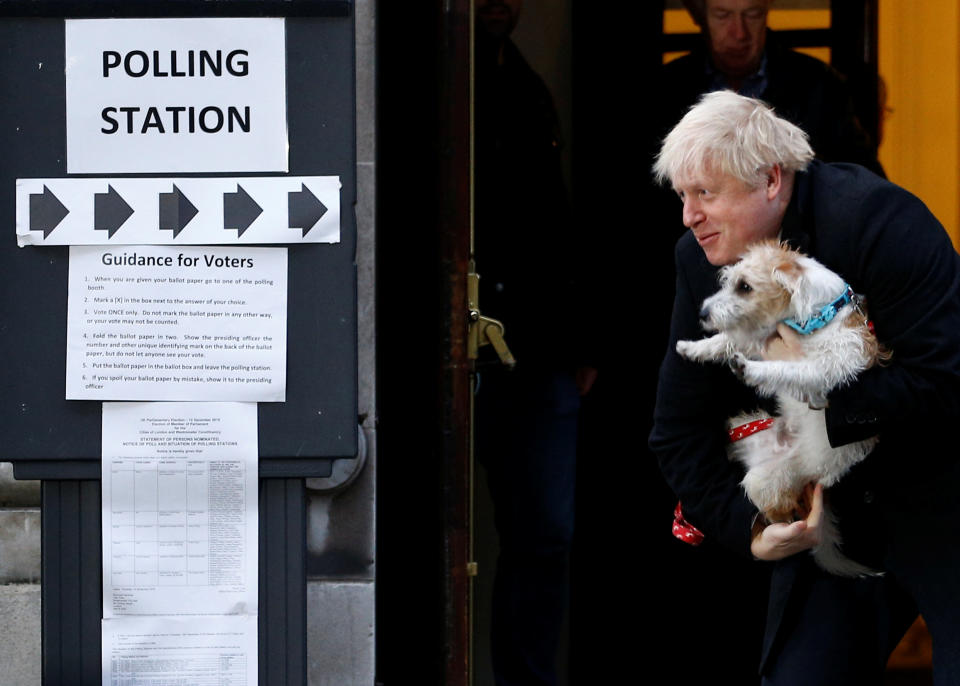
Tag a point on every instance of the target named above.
point(774, 181)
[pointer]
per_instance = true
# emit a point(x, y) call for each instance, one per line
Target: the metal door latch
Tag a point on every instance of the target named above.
point(484, 330)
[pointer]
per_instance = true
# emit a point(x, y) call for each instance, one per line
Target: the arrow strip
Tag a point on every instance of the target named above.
point(255, 210)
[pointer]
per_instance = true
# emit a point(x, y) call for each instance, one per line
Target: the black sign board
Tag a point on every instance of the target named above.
point(48, 437)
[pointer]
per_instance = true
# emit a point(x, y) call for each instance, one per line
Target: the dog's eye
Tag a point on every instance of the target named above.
point(743, 286)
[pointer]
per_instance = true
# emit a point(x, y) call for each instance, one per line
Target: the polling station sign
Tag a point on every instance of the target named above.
point(176, 95)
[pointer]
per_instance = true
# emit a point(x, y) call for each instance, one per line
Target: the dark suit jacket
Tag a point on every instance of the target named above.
point(888, 246)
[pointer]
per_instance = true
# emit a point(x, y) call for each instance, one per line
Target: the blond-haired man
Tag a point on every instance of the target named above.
point(744, 174)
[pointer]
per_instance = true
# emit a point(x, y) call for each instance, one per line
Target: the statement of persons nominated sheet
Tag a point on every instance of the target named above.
point(180, 528)
point(179, 508)
point(177, 323)
point(160, 651)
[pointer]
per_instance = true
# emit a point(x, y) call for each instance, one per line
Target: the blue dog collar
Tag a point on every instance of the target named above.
point(827, 313)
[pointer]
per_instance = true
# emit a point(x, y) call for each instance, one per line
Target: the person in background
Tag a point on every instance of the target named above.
point(740, 53)
point(526, 418)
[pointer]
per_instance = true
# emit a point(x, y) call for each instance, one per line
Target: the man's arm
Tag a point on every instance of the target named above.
point(689, 435)
point(910, 272)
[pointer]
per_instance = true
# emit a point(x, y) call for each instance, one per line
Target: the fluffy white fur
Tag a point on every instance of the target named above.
point(769, 284)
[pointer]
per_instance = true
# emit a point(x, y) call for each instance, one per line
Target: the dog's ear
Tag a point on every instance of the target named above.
point(810, 284)
point(791, 275)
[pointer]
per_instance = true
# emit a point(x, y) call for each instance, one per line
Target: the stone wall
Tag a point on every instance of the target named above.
point(19, 579)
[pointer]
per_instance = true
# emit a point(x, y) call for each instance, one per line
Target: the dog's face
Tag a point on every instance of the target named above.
point(769, 284)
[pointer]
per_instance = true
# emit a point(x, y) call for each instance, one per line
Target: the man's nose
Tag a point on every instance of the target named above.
point(740, 31)
point(692, 214)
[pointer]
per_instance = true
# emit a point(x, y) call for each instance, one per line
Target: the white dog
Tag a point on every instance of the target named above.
point(769, 285)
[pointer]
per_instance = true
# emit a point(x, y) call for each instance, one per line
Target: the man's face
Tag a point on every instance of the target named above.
point(737, 30)
point(727, 216)
point(498, 17)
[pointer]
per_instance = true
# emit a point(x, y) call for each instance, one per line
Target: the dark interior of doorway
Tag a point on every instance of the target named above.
point(621, 492)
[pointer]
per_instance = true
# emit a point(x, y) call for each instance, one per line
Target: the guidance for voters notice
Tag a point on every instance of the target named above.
point(177, 323)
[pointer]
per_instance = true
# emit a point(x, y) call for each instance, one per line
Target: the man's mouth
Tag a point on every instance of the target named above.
point(707, 238)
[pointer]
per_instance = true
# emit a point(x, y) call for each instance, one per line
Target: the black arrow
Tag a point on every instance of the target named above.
point(239, 210)
point(176, 211)
point(46, 211)
point(304, 209)
point(110, 211)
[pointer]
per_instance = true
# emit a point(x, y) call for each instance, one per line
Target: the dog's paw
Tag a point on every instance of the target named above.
point(757, 374)
point(691, 350)
point(783, 515)
point(738, 365)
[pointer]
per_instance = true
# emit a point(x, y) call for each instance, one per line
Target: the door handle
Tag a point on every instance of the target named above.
point(484, 330)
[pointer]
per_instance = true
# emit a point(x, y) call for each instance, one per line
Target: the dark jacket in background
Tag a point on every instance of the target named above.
point(530, 263)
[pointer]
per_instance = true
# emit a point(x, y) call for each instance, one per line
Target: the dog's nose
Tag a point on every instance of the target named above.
point(704, 313)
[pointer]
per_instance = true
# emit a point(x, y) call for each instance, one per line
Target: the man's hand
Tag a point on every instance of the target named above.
point(777, 541)
point(784, 345)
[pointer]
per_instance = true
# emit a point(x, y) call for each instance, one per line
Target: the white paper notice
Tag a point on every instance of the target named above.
point(176, 95)
point(160, 651)
point(177, 323)
point(179, 509)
